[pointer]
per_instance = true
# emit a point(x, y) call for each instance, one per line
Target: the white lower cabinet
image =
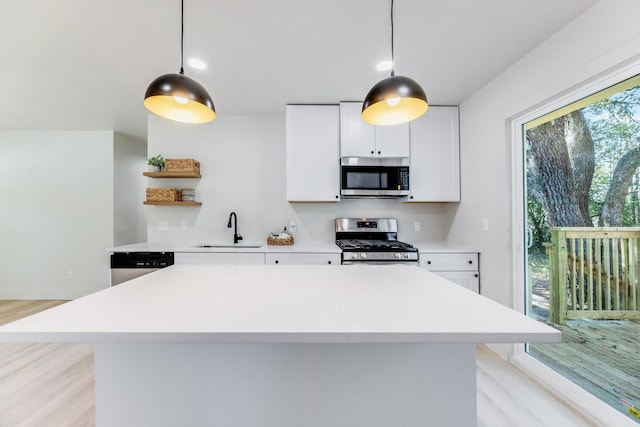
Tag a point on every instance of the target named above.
point(460, 268)
point(302, 258)
point(467, 279)
point(253, 258)
point(219, 258)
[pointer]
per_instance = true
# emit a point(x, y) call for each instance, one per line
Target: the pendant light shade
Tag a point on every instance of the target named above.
point(394, 100)
point(178, 97)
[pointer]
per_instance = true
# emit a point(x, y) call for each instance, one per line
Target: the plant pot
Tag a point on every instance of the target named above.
point(153, 168)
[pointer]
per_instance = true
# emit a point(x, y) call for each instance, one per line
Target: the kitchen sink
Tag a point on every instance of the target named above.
point(230, 245)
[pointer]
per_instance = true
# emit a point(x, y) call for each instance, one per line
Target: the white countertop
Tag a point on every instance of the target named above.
point(193, 247)
point(281, 304)
point(432, 246)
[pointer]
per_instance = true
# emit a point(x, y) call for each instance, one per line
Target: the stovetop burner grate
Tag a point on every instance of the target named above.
point(363, 244)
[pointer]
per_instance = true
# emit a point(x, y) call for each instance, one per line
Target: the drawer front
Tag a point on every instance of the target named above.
point(302, 259)
point(252, 258)
point(450, 261)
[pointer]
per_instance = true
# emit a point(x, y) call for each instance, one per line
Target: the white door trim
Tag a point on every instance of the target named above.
point(562, 388)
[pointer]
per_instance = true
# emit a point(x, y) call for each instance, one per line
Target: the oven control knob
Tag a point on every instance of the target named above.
point(398, 255)
point(406, 256)
point(354, 255)
point(363, 255)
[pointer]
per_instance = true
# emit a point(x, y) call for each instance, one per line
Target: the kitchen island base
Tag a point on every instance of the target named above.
point(288, 384)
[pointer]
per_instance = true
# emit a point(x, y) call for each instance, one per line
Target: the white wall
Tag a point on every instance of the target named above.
point(242, 159)
point(129, 158)
point(606, 36)
point(56, 214)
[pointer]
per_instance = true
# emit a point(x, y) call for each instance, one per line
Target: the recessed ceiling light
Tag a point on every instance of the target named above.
point(197, 64)
point(384, 65)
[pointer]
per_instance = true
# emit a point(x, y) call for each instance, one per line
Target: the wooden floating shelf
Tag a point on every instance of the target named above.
point(167, 203)
point(172, 174)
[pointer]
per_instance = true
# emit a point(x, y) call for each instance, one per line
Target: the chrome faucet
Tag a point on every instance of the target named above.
point(236, 236)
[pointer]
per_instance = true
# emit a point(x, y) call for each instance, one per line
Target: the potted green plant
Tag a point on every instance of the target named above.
point(156, 163)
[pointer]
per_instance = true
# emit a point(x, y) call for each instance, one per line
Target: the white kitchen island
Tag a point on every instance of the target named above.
point(283, 346)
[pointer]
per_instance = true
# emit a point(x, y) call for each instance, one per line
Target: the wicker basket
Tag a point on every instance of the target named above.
point(274, 240)
point(182, 165)
point(164, 195)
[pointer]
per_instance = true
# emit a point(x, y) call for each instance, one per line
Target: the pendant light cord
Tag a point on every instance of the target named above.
point(393, 61)
point(182, 37)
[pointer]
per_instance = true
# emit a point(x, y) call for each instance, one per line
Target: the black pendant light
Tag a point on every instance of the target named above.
point(396, 99)
point(178, 97)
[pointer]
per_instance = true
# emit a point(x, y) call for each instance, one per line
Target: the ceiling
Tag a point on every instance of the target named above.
point(85, 64)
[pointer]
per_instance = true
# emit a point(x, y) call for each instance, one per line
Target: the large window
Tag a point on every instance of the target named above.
point(582, 180)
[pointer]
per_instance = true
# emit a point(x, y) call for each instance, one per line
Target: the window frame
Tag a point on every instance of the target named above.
point(581, 400)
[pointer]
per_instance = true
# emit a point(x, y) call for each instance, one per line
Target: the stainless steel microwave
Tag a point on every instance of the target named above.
point(372, 177)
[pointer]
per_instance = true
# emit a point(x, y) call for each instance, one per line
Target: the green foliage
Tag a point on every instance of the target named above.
point(614, 124)
point(537, 223)
point(156, 161)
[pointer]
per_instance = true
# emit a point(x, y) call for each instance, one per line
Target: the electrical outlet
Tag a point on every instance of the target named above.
point(183, 225)
point(163, 225)
point(485, 224)
point(416, 226)
point(70, 275)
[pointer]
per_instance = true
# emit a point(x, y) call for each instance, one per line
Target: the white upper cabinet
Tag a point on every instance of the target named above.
point(313, 153)
point(360, 139)
point(434, 171)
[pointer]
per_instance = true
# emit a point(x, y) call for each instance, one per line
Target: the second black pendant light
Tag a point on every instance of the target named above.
point(396, 99)
point(178, 97)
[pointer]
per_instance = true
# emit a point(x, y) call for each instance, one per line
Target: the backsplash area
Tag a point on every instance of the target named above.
point(242, 161)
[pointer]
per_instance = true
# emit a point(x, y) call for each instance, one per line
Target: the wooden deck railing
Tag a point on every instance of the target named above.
point(594, 273)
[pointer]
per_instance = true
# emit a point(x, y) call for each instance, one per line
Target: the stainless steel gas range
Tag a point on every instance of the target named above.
point(373, 241)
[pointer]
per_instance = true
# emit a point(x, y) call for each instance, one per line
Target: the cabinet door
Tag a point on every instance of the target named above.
point(357, 137)
point(313, 163)
point(360, 139)
point(435, 156)
point(393, 141)
point(302, 259)
point(467, 279)
point(251, 258)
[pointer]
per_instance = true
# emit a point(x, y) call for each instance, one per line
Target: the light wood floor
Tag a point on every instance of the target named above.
point(44, 385)
point(51, 385)
point(509, 398)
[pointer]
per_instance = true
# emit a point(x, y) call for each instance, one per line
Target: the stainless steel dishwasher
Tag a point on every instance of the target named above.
point(129, 265)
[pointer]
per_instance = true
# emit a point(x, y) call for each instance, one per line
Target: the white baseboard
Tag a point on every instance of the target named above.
point(44, 293)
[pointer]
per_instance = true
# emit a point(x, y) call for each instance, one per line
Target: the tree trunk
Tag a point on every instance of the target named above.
point(612, 210)
point(553, 168)
point(582, 157)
